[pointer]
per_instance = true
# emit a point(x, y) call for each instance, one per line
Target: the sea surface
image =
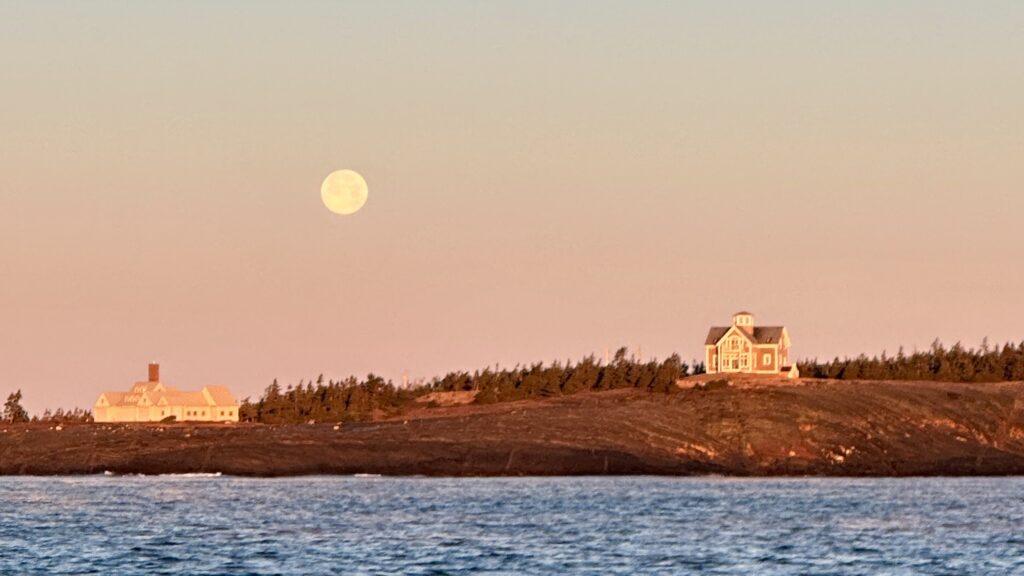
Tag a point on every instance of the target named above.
point(625, 525)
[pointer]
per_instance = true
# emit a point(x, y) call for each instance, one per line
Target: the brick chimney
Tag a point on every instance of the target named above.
point(154, 372)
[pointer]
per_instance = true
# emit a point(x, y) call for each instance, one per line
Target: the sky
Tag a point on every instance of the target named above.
point(547, 180)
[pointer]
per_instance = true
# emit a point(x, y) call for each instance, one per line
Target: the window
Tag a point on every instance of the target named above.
point(221, 412)
point(767, 360)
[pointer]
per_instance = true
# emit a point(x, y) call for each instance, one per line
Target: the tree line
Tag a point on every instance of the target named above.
point(546, 380)
point(955, 364)
point(354, 399)
point(330, 401)
point(14, 412)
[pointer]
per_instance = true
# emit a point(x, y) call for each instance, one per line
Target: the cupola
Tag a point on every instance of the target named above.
point(744, 320)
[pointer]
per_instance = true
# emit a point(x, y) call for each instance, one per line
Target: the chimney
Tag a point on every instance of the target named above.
point(154, 372)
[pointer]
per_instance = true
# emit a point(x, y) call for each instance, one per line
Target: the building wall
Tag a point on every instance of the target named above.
point(759, 358)
point(121, 414)
point(764, 358)
point(734, 354)
point(158, 413)
point(710, 359)
point(227, 413)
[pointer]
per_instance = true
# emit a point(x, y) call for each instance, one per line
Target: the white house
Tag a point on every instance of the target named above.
point(153, 401)
point(746, 348)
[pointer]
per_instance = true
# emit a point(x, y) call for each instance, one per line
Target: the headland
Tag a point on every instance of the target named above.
point(745, 428)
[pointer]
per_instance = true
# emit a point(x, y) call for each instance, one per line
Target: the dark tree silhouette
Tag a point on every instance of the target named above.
point(985, 364)
point(353, 399)
point(13, 411)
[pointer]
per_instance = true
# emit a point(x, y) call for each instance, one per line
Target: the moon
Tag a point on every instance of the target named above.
point(344, 192)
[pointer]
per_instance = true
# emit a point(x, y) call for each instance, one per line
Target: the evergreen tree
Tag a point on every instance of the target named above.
point(13, 411)
point(987, 363)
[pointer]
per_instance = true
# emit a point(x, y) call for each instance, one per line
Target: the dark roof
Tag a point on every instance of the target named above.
point(744, 313)
point(715, 334)
point(768, 334)
point(762, 334)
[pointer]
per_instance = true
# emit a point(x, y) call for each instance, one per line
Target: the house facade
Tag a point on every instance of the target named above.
point(747, 348)
point(153, 401)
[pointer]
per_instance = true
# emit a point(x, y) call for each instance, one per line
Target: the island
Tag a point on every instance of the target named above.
point(735, 427)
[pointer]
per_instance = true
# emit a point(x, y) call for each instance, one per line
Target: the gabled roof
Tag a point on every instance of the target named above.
point(220, 395)
point(147, 386)
point(167, 396)
point(189, 399)
point(761, 335)
point(768, 334)
point(113, 398)
point(715, 334)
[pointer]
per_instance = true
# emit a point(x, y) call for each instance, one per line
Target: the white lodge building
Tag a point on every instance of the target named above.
point(749, 349)
point(152, 401)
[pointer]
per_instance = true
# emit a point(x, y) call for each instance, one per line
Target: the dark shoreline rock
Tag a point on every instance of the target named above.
point(811, 429)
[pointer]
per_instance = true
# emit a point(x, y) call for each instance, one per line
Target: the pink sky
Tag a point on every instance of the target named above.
point(545, 182)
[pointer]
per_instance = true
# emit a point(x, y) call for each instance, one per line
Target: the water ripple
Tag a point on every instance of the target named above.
point(330, 525)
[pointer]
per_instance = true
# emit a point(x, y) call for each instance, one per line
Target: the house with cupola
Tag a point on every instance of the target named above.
point(747, 348)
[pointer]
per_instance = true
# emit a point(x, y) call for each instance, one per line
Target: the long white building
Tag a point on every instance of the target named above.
point(153, 401)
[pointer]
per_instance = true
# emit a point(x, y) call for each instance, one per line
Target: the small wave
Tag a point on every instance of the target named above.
point(119, 474)
point(366, 475)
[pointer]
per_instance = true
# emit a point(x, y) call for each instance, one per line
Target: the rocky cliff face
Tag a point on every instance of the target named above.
point(818, 428)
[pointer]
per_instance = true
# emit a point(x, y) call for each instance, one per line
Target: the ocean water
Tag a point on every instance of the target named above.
point(626, 525)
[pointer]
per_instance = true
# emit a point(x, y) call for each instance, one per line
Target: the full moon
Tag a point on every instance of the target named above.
point(344, 192)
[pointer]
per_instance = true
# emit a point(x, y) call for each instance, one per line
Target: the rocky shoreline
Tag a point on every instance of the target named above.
point(815, 428)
